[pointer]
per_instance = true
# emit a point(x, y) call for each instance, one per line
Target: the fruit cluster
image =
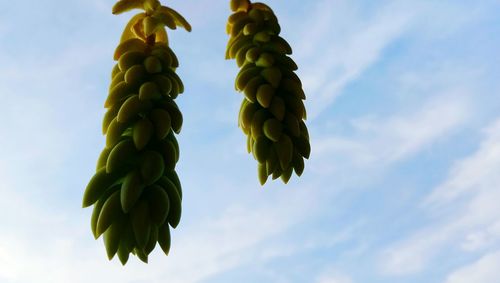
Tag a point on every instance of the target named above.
point(135, 191)
point(272, 112)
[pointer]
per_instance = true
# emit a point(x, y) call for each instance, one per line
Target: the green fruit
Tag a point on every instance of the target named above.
point(130, 58)
point(98, 207)
point(131, 190)
point(140, 219)
point(262, 170)
point(99, 183)
point(265, 60)
point(153, 65)
point(142, 133)
point(132, 108)
point(265, 95)
point(151, 166)
point(121, 157)
point(174, 215)
point(161, 121)
point(261, 148)
point(112, 237)
point(111, 211)
point(135, 75)
point(273, 129)
point(164, 238)
point(149, 90)
point(159, 204)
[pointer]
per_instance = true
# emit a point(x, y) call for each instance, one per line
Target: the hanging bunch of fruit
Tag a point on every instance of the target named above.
point(135, 192)
point(272, 111)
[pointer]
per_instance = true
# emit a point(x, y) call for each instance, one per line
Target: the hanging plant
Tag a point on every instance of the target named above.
point(135, 191)
point(272, 111)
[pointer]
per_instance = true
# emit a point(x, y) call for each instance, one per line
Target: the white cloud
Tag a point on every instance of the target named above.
point(476, 173)
point(464, 208)
point(331, 275)
point(378, 142)
point(484, 270)
point(413, 254)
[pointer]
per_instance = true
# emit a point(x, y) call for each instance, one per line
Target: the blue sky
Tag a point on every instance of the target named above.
point(403, 182)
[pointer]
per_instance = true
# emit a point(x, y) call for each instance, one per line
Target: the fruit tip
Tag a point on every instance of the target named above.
point(173, 225)
point(85, 203)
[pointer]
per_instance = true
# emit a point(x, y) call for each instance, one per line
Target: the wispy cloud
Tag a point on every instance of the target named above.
point(484, 270)
point(347, 48)
point(464, 209)
point(381, 141)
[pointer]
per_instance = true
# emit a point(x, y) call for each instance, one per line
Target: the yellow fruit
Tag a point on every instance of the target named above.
point(240, 5)
point(126, 5)
point(132, 44)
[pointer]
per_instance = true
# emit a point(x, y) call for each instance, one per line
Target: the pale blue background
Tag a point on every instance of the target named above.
point(403, 184)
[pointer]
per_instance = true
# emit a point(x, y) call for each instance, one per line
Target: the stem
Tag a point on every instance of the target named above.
point(150, 40)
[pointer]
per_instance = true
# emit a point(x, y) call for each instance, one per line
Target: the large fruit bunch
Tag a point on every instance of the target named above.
point(135, 191)
point(272, 112)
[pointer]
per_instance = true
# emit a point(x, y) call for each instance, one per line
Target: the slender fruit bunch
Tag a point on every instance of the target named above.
point(135, 191)
point(272, 112)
